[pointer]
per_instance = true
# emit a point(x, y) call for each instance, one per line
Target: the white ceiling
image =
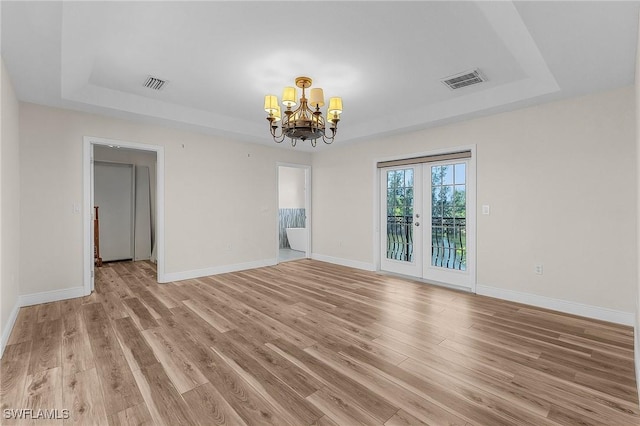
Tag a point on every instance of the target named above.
point(385, 59)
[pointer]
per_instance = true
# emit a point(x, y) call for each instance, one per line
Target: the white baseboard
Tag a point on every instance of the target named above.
point(215, 270)
point(344, 262)
point(8, 327)
point(51, 296)
point(575, 308)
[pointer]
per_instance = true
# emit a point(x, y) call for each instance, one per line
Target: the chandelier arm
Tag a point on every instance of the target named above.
point(277, 138)
point(327, 140)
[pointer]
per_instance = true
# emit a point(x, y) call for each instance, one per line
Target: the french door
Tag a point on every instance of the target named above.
point(428, 221)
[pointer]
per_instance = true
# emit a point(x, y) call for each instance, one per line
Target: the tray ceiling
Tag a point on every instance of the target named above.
point(386, 60)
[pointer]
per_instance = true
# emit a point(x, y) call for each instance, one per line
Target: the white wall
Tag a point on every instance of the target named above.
point(291, 187)
point(220, 195)
point(561, 182)
point(9, 206)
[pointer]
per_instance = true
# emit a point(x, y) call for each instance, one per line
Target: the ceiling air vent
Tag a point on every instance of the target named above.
point(464, 79)
point(155, 83)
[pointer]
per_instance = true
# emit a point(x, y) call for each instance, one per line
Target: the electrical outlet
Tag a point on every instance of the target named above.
point(538, 269)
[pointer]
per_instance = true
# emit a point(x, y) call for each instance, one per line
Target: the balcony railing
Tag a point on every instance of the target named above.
point(448, 240)
point(400, 238)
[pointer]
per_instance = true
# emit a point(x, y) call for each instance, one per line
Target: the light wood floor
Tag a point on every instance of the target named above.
point(306, 343)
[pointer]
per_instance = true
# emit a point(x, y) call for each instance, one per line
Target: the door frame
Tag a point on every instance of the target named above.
point(88, 201)
point(377, 207)
point(307, 206)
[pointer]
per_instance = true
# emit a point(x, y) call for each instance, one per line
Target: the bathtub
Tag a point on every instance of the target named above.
point(297, 238)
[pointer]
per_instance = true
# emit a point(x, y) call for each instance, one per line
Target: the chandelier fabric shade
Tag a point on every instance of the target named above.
point(270, 103)
point(289, 96)
point(306, 122)
point(277, 114)
point(335, 106)
point(317, 98)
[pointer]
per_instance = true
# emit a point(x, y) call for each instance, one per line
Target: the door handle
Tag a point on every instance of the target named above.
point(417, 223)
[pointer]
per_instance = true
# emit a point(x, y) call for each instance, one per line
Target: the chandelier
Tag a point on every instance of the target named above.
point(302, 123)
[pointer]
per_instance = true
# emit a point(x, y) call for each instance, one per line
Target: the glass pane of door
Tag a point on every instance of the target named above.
point(448, 216)
point(400, 201)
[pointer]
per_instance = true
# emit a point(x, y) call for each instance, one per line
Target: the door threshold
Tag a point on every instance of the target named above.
point(427, 281)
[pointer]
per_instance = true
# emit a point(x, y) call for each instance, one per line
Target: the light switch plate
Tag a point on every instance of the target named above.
point(486, 209)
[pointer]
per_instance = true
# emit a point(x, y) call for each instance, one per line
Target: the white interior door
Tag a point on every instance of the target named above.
point(114, 195)
point(401, 243)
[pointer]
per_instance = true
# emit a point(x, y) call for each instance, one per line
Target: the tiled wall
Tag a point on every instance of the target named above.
point(290, 218)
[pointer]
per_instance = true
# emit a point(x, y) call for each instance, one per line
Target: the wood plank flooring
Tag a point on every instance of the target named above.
point(310, 343)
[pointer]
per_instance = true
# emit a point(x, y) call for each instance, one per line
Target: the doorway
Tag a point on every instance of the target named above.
point(294, 219)
point(427, 218)
point(124, 186)
point(151, 176)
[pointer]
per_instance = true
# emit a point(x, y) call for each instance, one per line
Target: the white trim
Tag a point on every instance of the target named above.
point(376, 217)
point(51, 296)
point(308, 210)
point(215, 270)
point(9, 327)
point(87, 216)
point(566, 306)
point(89, 142)
point(344, 262)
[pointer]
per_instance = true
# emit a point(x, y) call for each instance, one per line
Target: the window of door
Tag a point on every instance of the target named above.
point(448, 216)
